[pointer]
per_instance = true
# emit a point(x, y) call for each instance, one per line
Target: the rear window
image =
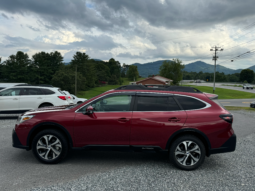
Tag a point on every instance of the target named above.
point(61, 92)
point(189, 103)
point(47, 91)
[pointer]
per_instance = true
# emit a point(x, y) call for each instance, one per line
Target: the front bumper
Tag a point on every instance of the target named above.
point(16, 143)
point(228, 146)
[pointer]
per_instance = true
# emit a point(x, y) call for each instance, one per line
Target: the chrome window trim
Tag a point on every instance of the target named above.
point(207, 104)
point(76, 111)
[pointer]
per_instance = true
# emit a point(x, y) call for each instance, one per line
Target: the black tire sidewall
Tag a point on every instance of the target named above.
point(62, 139)
point(177, 142)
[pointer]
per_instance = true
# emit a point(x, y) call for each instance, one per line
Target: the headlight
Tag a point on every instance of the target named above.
point(24, 118)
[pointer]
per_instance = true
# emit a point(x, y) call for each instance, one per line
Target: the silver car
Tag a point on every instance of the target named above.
point(247, 86)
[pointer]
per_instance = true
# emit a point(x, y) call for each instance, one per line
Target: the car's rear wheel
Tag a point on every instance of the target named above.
point(187, 152)
point(50, 146)
point(45, 105)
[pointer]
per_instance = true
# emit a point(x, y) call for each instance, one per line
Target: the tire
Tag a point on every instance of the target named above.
point(243, 87)
point(56, 152)
point(45, 105)
point(179, 146)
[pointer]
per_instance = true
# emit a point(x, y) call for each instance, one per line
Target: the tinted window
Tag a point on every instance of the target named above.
point(32, 91)
point(111, 104)
point(188, 103)
point(156, 103)
point(11, 92)
point(48, 92)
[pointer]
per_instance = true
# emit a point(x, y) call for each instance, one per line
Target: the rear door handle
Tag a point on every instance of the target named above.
point(15, 99)
point(174, 119)
point(123, 120)
point(39, 98)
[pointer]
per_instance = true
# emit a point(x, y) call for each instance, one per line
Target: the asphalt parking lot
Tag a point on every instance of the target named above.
point(92, 170)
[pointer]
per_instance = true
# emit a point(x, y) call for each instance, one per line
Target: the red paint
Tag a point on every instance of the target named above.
point(133, 128)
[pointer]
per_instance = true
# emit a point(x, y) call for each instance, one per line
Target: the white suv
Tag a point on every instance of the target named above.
point(18, 99)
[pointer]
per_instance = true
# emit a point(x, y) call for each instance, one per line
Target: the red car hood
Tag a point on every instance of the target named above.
point(47, 109)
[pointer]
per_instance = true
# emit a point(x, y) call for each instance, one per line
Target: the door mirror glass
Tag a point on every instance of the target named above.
point(89, 110)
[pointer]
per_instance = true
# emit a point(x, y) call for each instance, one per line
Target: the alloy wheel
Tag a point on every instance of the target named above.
point(49, 147)
point(187, 153)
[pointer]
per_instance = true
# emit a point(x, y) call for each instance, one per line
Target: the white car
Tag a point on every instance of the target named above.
point(18, 99)
point(69, 97)
point(77, 100)
point(247, 86)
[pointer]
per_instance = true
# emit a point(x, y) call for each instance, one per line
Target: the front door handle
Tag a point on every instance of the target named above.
point(174, 119)
point(123, 120)
point(39, 98)
point(15, 99)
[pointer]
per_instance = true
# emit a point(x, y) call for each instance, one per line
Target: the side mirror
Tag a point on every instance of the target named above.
point(89, 110)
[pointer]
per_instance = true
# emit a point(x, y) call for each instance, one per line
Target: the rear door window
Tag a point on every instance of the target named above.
point(189, 103)
point(32, 91)
point(156, 103)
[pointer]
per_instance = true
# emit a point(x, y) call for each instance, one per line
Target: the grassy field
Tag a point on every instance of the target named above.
point(98, 90)
point(239, 108)
point(226, 93)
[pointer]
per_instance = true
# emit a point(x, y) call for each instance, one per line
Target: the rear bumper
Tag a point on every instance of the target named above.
point(228, 146)
point(16, 142)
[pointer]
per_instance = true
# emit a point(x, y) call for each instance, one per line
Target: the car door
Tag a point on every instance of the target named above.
point(31, 98)
point(9, 99)
point(110, 123)
point(155, 118)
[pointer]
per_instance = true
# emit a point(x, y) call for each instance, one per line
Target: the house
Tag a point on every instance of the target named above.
point(155, 80)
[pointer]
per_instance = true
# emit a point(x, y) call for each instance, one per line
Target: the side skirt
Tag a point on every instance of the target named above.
point(122, 148)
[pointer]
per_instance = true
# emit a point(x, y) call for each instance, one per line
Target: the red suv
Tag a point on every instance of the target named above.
point(183, 121)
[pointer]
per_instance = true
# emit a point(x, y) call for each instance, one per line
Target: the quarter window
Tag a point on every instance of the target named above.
point(189, 103)
point(47, 92)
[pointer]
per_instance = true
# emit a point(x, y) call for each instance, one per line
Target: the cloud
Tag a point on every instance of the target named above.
point(5, 16)
point(33, 28)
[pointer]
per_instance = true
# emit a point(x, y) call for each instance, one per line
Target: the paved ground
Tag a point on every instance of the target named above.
point(221, 85)
point(91, 170)
point(236, 102)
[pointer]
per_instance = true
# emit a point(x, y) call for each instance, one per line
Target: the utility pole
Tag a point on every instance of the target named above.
point(215, 57)
point(76, 80)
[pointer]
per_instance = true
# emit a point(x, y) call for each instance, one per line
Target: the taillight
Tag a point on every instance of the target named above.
point(227, 117)
point(62, 97)
point(69, 97)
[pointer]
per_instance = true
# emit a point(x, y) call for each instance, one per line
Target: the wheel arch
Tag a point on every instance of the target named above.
point(48, 125)
point(45, 103)
point(190, 131)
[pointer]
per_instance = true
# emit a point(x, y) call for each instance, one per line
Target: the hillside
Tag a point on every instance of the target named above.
point(153, 68)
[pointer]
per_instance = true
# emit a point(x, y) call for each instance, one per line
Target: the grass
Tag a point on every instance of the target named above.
point(226, 93)
point(99, 90)
point(239, 108)
point(232, 85)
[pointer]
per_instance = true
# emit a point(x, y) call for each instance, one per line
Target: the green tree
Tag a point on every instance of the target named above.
point(247, 75)
point(172, 70)
point(44, 66)
point(65, 79)
point(16, 68)
point(86, 67)
point(132, 73)
point(113, 80)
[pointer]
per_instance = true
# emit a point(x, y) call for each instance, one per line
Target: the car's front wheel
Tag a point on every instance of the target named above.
point(50, 146)
point(187, 152)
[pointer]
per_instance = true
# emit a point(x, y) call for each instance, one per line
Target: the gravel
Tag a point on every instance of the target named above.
point(92, 170)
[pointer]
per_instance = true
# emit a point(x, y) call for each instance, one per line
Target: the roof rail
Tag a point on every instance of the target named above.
point(159, 88)
point(41, 85)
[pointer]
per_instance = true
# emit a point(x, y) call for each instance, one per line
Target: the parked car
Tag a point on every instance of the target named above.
point(18, 99)
point(7, 85)
point(247, 86)
point(77, 100)
point(181, 121)
point(69, 97)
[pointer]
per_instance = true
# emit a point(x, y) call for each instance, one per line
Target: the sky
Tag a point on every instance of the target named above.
point(131, 31)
